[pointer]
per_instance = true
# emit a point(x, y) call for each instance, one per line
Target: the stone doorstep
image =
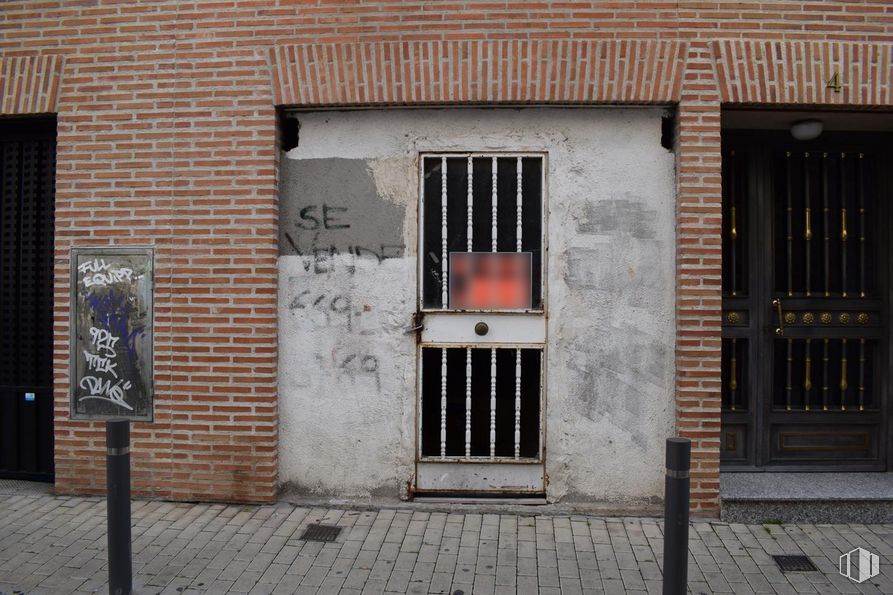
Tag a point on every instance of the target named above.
point(860, 512)
point(807, 497)
point(820, 487)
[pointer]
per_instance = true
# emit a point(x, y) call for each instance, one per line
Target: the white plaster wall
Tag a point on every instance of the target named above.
point(349, 431)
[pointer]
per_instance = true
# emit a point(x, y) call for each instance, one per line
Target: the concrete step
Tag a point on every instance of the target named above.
point(807, 497)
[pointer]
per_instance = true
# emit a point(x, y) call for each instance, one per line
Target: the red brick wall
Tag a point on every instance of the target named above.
point(699, 272)
point(166, 138)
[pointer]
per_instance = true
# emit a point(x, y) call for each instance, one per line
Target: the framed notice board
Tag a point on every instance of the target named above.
point(111, 333)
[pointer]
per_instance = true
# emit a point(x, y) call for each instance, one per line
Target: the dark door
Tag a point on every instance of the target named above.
point(27, 167)
point(806, 308)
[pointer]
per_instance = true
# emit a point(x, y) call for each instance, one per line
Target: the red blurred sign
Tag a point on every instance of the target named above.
point(490, 280)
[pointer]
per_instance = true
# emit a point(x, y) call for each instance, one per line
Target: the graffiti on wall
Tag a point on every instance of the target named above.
point(337, 236)
point(317, 225)
point(336, 315)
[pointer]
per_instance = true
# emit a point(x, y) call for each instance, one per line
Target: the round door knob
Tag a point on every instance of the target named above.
point(481, 328)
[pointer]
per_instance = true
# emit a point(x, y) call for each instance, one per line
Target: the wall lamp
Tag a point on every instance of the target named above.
point(806, 129)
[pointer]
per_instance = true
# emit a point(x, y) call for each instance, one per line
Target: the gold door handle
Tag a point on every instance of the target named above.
point(779, 330)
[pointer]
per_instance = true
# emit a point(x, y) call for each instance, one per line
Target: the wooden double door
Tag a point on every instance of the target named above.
point(806, 355)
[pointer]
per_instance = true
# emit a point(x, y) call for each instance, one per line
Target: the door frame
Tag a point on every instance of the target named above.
point(483, 468)
point(760, 287)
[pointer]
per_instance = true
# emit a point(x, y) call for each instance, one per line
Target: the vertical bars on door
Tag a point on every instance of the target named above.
point(444, 284)
point(479, 203)
point(469, 221)
point(845, 380)
point(519, 235)
point(496, 431)
point(494, 233)
point(829, 255)
point(446, 167)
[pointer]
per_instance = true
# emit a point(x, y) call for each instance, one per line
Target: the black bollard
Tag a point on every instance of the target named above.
point(676, 502)
point(117, 440)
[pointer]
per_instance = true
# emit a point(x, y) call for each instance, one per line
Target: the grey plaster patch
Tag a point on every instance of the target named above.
point(806, 486)
point(331, 206)
point(604, 388)
point(623, 270)
point(624, 215)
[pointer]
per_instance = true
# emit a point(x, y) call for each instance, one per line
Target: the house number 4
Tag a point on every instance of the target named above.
point(834, 82)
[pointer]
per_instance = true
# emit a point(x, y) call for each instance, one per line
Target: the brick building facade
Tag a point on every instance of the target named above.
point(167, 137)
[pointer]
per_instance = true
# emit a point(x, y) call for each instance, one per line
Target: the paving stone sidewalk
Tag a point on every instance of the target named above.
point(55, 545)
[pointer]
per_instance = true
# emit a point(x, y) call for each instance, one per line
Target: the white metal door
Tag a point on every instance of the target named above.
point(481, 369)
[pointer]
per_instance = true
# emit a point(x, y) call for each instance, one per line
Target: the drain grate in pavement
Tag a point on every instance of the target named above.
point(795, 563)
point(321, 533)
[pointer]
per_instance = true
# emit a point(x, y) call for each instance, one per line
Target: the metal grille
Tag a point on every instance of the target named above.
point(825, 374)
point(824, 235)
point(795, 563)
point(481, 403)
point(479, 203)
point(321, 533)
point(27, 182)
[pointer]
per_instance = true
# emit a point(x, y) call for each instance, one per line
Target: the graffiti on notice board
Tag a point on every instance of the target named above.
point(111, 333)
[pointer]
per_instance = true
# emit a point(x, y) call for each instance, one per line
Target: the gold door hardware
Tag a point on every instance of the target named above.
point(808, 233)
point(779, 330)
point(733, 381)
point(825, 359)
point(844, 385)
point(807, 380)
point(861, 374)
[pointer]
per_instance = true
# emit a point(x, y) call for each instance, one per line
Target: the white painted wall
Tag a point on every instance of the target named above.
point(348, 371)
